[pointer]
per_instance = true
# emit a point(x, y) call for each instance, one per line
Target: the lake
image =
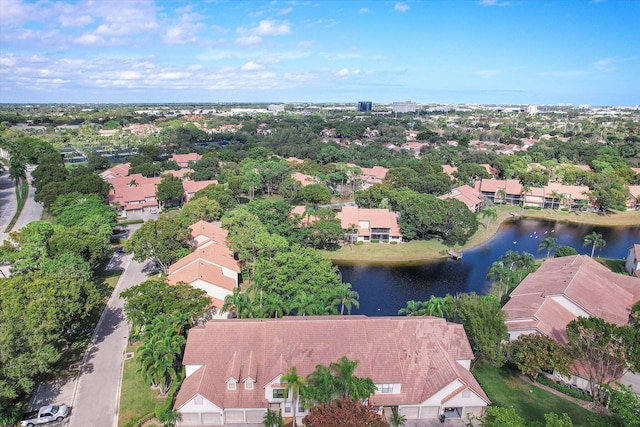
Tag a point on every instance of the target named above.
point(386, 289)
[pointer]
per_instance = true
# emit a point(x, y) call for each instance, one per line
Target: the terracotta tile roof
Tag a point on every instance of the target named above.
point(179, 173)
point(203, 230)
point(185, 158)
point(564, 288)
point(512, 186)
point(214, 253)
point(192, 187)
point(449, 170)
point(377, 218)
point(421, 353)
point(576, 192)
point(467, 195)
point(303, 178)
point(204, 271)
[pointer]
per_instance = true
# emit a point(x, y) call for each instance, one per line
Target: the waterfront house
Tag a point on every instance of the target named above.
point(501, 190)
point(420, 366)
point(366, 225)
point(633, 201)
point(563, 289)
point(467, 195)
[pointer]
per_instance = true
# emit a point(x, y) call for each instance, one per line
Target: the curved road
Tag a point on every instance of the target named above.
point(8, 203)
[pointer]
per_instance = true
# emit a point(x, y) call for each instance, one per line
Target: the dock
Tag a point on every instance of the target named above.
point(454, 254)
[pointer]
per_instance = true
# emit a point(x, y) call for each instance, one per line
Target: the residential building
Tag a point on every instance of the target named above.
point(633, 201)
point(192, 187)
point(501, 191)
point(211, 267)
point(420, 366)
point(365, 225)
point(183, 159)
point(132, 194)
point(563, 289)
point(632, 266)
point(467, 195)
point(304, 179)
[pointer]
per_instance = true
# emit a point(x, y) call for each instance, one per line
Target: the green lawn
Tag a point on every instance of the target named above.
point(137, 399)
point(505, 388)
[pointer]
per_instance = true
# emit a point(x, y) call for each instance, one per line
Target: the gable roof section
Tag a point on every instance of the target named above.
point(546, 299)
point(378, 218)
point(214, 253)
point(192, 187)
point(204, 271)
point(467, 195)
point(511, 186)
point(208, 231)
point(421, 353)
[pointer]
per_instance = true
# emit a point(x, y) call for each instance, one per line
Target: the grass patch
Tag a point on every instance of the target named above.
point(137, 399)
point(615, 265)
point(130, 221)
point(506, 388)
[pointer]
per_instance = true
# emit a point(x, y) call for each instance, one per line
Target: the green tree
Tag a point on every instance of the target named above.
point(534, 353)
point(397, 419)
point(554, 420)
point(624, 404)
point(483, 321)
point(161, 348)
point(201, 209)
point(501, 277)
point(294, 387)
point(565, 251)
point(170, 190)
point(605, 350)
point(548, 243)
point(163, 241)
point(346, 297)
point(436, 306)
point(496, 416)
point(220, 193)
point(595, 240)
point(238, 302)
point(490, 213)
point(320, 386)
point(346, 384)
point(154, 298)
point(316, 194)
point(413, 308)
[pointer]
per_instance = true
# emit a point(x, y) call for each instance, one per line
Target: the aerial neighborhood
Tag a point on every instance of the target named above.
point(275, 264)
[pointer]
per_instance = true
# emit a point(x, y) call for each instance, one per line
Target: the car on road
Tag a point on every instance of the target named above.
point(45, 414)
point(154, 211)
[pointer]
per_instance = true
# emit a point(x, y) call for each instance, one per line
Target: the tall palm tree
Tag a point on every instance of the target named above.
point(548, 243)
point(295, 385)
point(525, 263)
point(396, 419)
point(435, 306)
point(491, 213)
point(594, 239)
point(17, 171)
point(501, 276)
point(502, 195)
point(322, 385)
point(554, 195)
point(344, 379)
point(346, 297)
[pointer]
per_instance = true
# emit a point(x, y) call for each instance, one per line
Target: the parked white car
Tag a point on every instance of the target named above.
point(45, 414)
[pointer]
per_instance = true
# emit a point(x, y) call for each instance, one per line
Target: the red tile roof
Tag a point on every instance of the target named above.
point(421, 353)
point(214, 253)
point(377, 218)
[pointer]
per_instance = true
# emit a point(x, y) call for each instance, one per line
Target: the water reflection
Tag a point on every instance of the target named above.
point(384, 290)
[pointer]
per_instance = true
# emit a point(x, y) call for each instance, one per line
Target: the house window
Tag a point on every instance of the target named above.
point(386, 388)
point(287, 407)
point(231, 385)
point(197, 400)
point(278, 393)
point(248, 384)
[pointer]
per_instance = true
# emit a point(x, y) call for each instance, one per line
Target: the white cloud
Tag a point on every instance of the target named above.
point(494, 3)
point(487, 74)
point(90, 40)
point(343, 72)
point(605, 64)
point(285, 11)
point(364, 10)
point(15, 12)
point(401, 7)
point(249, 40)
point(7, 61)
point(267, 27)
point(306, 43)
point(251, 66)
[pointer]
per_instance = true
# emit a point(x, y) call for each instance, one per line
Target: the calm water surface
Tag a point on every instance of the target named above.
point(385, 290)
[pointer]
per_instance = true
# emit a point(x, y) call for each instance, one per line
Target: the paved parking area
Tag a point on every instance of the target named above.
point(56, 392)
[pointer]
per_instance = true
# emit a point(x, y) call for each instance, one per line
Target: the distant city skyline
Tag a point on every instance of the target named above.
point(215, 51)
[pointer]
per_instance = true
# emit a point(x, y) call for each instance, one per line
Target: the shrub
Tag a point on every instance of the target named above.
point(564, 389)
point(360, 243)
point(535, 208)
point(393, 242)
point(375, 241)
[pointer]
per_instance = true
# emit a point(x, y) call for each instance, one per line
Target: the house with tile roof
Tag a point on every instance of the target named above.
point(133, 194)
point(563, 289)
point(211, 267)
point(366, 225)
point(420, 366)
point(467, 195)
point(183, 159)
point(633, 201)
point(192, 187)
point(632, 265)
point(304, 179)
point(501, 190)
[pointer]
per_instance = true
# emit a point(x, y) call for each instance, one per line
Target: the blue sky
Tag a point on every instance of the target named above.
point(457, 51)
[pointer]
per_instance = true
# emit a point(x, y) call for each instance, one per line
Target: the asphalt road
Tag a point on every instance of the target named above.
point(8, 203)
point(96, 397)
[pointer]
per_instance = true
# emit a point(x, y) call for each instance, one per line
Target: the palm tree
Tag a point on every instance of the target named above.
point(347, 298)
point(344, 379)
point(491, 213)
point(322, 384)
point(17, 171)
point(412, 309)
point(435, 306)
point(501, 277)
point(270, 419)
point(594, 239)
point(237, 302)
point(554, 195)
point(295, 385)
point(525, 263)
point(396, 419)
point(548, 243)
point(502, 195)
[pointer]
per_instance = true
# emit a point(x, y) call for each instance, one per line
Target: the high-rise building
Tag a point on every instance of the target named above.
point(404, 107)
point(532, 109)
point(365, 106)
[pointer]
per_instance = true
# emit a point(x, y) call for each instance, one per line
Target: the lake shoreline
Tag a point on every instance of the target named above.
point(421, 251)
